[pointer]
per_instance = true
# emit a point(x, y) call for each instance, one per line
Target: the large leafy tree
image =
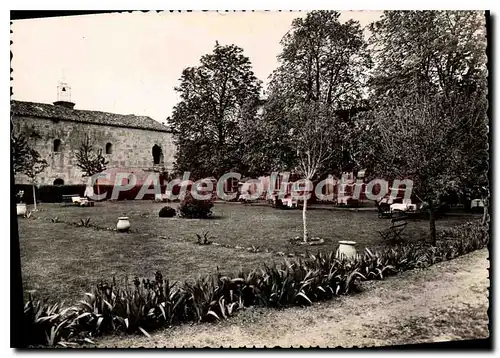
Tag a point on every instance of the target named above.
point(207, 120)
point(434, 141)
point(322, 71)
point(442, 49)
point(322, 60)
point(266, 143)
point(429, 120)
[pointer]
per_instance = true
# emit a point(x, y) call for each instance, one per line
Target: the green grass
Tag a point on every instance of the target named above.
point(61, 261)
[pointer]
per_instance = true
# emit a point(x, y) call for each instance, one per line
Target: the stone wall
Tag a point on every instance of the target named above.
point(131, 148)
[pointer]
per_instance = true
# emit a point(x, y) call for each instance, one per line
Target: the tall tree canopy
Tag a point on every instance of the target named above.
point(438, 142)
point(207, 120)
point(435, 53)
point(323, 61)
point(441, 49)
point(429, 119)
point(322, 70)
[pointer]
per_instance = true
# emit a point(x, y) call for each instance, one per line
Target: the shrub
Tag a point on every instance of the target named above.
point(167, 212)
point(158, 303)
point(54, 193)
point(352, 203)
point(278, 203)
point(192, 208)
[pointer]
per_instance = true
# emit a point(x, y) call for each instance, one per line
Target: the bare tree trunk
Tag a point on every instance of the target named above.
point(485, 211)
point(432, 222)
point(97, 187)
point(304, 220)
point(34, 196)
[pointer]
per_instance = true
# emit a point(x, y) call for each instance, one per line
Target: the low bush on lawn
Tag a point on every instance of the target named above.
point(150, 305)
point(167, 212)
point(192, 208)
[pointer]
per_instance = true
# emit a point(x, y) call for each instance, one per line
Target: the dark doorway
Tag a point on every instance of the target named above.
point(58, 181)
point(157, 154)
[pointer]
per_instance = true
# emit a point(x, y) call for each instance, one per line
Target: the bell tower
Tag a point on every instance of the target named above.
point(64, 96)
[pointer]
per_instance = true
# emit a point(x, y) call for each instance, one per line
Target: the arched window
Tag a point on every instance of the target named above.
point(157, 154)
point(109, 148)
point(57, 145)
point(58, 181)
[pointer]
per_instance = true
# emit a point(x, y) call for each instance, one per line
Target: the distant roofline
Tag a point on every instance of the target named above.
point(89, 111)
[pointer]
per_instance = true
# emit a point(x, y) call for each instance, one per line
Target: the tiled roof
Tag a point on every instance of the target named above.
point(44, 110)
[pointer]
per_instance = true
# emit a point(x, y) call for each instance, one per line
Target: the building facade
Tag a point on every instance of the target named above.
point(130, 143)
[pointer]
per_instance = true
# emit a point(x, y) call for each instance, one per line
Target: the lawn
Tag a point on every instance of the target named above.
point(61, 261)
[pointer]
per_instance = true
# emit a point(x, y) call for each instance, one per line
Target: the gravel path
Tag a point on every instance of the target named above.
point(447, 301)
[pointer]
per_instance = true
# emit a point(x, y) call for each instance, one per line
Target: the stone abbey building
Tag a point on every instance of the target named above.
point(130, 143)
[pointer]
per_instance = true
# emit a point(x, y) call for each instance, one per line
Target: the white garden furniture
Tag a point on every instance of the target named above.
point(406, 205)
point(290, 202)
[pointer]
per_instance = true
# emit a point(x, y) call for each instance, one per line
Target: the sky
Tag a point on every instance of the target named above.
point(129, 63)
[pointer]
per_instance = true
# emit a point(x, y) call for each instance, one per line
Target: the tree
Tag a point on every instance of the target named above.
point(21, 152)
point(303, 139)
point(429, 97)
point(90, 161)
point(265, 143)
point(438, 48)
point(26, 160)
point(34, 165)
point(322, 60)
point(322, 71)
point(314, 137)
point(206, 121)
point(430, 139)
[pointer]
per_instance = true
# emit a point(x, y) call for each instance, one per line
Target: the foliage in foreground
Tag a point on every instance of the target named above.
point(159, 303)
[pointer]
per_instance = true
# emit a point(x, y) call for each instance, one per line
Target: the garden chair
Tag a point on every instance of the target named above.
point(398, 224)
point(384, 210)
point(290, 202)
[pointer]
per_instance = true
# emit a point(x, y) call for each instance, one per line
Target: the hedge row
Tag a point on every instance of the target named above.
point(54, 193)
point(158, 303)
point(48, 193)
